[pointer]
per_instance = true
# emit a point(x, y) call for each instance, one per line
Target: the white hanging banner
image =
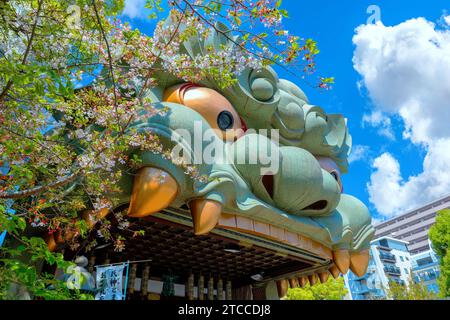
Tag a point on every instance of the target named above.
point(109, 282)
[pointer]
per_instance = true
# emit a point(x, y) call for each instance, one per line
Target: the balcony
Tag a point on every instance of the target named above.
point(387, 257)
point(417, 267)
point(399, 281)
point(383, 248)
point(392, 270)
point(361, 291)
point(354, 277)
point(426, 276)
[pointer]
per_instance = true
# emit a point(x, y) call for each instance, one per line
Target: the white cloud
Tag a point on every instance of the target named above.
point(377, 220)
point(406, 70)
point(392, 195)
point(378, 119)
point(447, 19)
point(135, 9)
point(359, 152)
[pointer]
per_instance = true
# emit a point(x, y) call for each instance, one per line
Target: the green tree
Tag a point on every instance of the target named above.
point(410, 291)
point(333, 289)
point(440, 238)
point(21, 279)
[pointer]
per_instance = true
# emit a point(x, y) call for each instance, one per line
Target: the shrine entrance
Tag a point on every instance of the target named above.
point(222, 265)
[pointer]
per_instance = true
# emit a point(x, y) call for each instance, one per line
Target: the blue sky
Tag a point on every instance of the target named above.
point(397, 115)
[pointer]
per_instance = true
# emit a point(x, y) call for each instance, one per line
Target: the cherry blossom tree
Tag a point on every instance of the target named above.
point(66, 99)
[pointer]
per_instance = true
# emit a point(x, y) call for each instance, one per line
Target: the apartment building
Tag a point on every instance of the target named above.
point(414, 225)
point(390, 261)
point(425, 269)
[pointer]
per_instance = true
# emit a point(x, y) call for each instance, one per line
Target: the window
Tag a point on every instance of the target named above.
point(401, 258)
point(384, 243)
point(424, 261)
point(406, 270)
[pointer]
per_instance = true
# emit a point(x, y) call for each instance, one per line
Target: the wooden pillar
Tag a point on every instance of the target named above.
point(201, 287)
point(144, 281)
point(131, 280)
point(228, 295)
point(211, 288)
point(220, 289)
point(91, 264)
point(190, 287)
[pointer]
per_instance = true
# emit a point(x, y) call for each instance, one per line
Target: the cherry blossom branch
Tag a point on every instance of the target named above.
point(61, 182)
point(111, 70)
point(32, 191)
point(27, 50)
point(196, 12)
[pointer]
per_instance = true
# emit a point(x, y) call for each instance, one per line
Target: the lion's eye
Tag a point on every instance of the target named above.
point(225, 120)
point(337, 178)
